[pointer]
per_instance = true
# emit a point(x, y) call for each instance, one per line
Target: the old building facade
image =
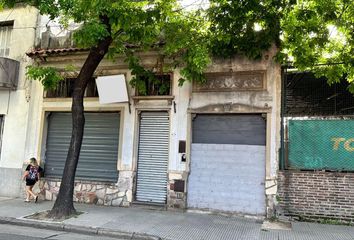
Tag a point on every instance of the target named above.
point(208, 147)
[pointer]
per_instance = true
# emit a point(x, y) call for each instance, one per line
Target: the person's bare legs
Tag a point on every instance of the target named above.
point(29, 193)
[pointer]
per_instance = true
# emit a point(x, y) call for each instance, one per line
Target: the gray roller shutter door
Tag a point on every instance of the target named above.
point(228, 163)
point(229, 129)
point(153, 157)
point(99, 151)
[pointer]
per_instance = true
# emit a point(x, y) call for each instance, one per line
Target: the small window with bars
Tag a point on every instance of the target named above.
point(5, 37)
point(160, 86)
point(65, 89)
point(306, 95)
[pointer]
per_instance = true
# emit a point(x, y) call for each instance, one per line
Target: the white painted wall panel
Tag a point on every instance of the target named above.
point(227, 177)
point(14, 133)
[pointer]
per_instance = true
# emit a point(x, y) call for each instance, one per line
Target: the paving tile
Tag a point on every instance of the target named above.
point(180, 226)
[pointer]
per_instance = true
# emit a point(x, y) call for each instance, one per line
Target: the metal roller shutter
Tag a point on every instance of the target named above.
point(228, 163)
point(153, 157)
point(229, 129)
point(99, 151)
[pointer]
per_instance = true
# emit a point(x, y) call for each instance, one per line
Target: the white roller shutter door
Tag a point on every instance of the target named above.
point(153, 157)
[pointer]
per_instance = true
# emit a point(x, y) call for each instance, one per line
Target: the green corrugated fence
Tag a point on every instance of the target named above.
point(321, 145)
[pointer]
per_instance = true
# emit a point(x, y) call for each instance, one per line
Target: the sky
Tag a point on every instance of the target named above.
point(193, 4)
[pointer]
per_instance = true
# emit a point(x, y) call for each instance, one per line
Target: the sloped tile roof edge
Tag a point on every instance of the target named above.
point(57, 51)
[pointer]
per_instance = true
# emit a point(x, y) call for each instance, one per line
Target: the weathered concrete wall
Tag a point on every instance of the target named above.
point(14, 105)
point(10, 185)
point(316, 195)
point(176, 200)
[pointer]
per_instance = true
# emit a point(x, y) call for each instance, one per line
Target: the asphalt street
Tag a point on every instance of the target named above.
point(11, 232)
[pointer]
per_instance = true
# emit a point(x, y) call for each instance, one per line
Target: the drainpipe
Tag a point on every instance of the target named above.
point(32, 102)
point(282, 110)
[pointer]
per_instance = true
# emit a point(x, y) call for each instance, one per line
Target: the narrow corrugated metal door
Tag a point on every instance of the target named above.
point(153, 157)
point(99, 150)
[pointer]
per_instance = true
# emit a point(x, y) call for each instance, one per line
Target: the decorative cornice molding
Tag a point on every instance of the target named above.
point(232, 81)
point(231, 108)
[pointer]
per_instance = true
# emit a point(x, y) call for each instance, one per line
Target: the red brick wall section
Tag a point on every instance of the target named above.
point(316, 195)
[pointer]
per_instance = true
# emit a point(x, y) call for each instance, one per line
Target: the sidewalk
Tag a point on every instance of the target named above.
point(142, 223)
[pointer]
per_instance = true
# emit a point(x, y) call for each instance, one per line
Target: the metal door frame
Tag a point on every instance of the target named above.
point(226, 109)
point(136, 150)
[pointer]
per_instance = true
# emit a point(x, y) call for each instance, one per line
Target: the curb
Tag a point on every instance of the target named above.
point(78, 229)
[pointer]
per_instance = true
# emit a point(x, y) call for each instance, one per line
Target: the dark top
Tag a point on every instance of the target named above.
point(33, 172)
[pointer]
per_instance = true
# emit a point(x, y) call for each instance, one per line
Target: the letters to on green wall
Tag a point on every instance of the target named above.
point(321, 144)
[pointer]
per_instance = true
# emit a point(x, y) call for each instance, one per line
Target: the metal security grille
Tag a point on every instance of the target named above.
point(311, 111)
point(153, 157)
point(65, 89)
point(306, 95)
point(321, 144)
point(99, 151)
point(158, 86)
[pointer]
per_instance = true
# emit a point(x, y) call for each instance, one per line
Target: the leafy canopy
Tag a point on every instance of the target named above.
point(233, 26)
point(319, 35)
point(159, 25)
point(316, 35)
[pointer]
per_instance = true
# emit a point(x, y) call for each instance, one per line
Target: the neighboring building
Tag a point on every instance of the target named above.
point(212, 147)
point(18, 31)
point(316, 178)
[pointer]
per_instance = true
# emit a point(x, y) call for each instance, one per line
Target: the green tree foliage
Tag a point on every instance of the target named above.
point(136, 26)
point(319, 35)
point(233, 23)
point(48, 76)
point(316, 35)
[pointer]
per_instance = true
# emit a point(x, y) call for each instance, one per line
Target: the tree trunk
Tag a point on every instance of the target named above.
point(63, 205)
